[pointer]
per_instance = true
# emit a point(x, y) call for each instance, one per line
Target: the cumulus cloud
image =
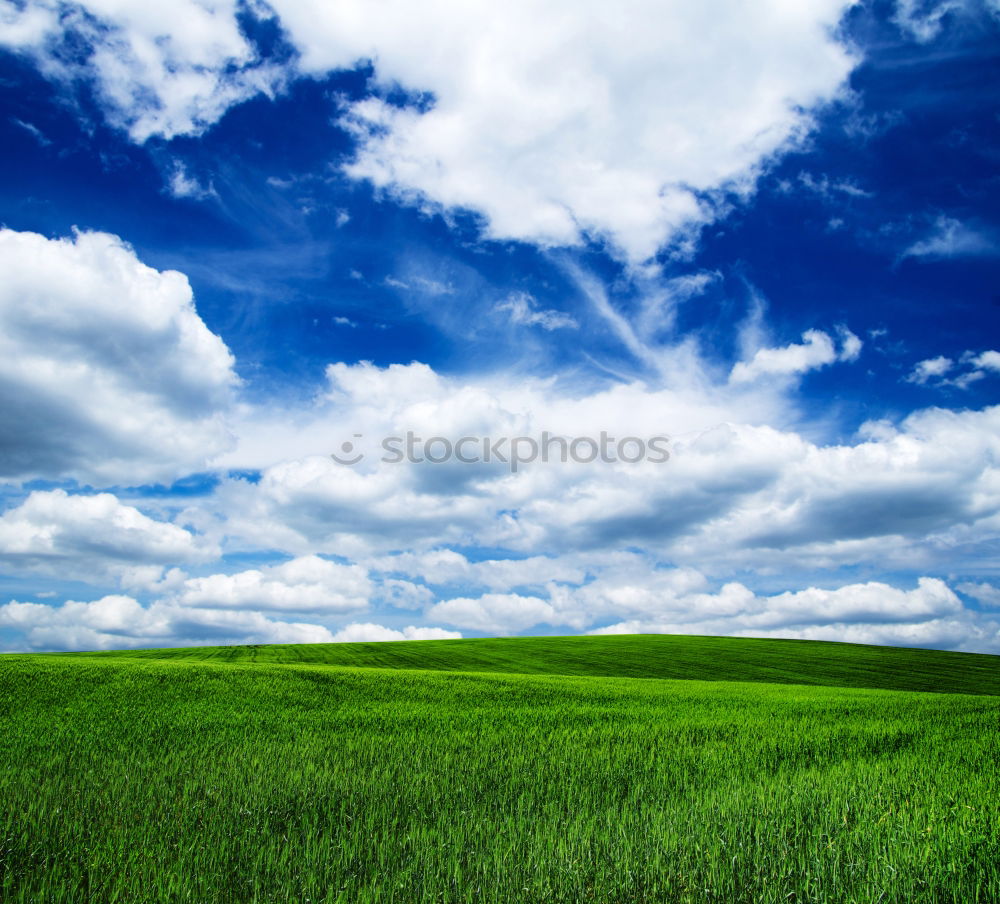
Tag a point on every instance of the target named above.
point(555, 123)
point(875, 612)
point(930, 368)
point(304, 584)
point(988, 360)
point(733, 494)
point(159, 69)
point(310, 499)
point(26, 26)
point(384, 401)
point(107, 373)
point(567, 121)
point(202, 617)
point(446, 567)
point(494, 613)
point(120, 622)
point(646, 599)
point(943, 371)
point(918, 483)
point(969, 633)
point(93, 538)
point(628, 595)
point(365, 633)
point(850, 344)
point(816, 350)
point(403, 594)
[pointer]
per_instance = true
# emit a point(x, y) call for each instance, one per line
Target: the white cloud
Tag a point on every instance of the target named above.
point(733, 495)
point(816, 350)
point(949, 237)
point(33, 131)
point(968, 633)
point(828, 189)
point(929, 368)
point(305, 584)
point(93, 538)
point(987, 594)
point(567, 119)
point(923, 20)
point(634, 588)
point(976, 367)
point(658, 311)
point(495, 613)
point(366, 633)
point(633, 596)
point(26, 26)
point(928, 615)
point(308, 503)
point(522, 309)
point(160, 69)
point(916, 487)
point(107, 373)
point(183, 185)
point(378, 402)
point(446, 567)
point(871, 602)
point(554, 122)
point(403, 594)
point(650, 600)
point(220, 609)
point(105, 617)
point(989, 360)
point(850, 345)
point(557, 123)
point(119, 622)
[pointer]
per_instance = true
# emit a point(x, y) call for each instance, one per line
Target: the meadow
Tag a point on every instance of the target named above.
point(640, 656)
point(260, 774)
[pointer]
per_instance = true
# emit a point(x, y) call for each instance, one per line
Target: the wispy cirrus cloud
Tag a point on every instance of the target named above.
point(522, 310)
point(949, 238)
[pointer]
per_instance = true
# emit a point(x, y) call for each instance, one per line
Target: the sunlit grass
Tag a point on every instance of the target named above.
point(144, 780)
point(643, 656)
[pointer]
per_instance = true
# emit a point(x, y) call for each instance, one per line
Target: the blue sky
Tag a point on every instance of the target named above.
point(236, 236)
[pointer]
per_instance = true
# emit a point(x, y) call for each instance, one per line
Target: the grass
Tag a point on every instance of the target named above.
point(211, 777)
point(643, 656)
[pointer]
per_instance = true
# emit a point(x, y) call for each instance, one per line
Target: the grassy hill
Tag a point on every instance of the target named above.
point(402, 775)
point(641, 656)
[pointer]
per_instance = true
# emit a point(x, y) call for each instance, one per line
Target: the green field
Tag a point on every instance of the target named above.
point(642, 656)
point(523, 770)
